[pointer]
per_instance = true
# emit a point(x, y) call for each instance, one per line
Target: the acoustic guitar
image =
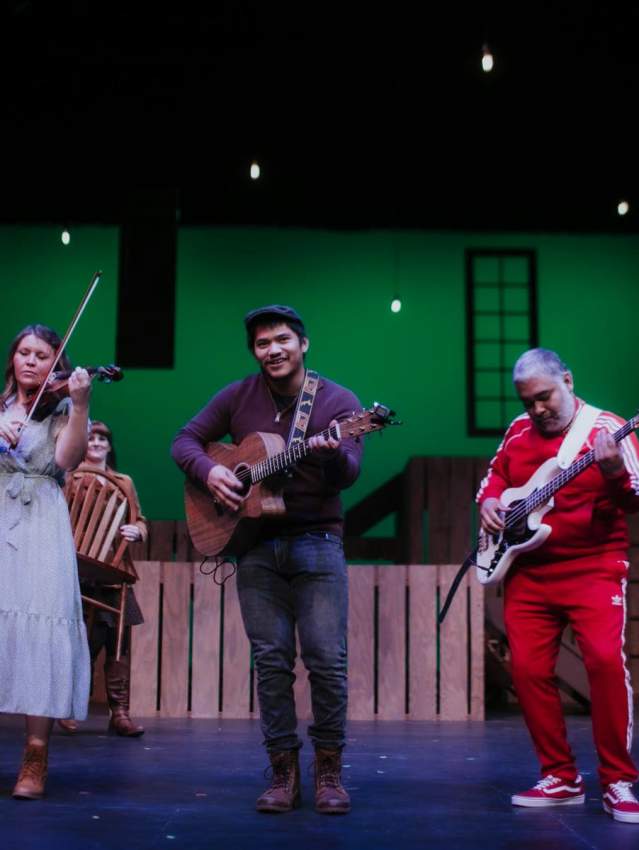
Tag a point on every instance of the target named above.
point(525, 507)
point(256, 461)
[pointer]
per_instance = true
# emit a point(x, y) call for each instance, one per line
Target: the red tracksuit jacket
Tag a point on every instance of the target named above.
point(588, 517)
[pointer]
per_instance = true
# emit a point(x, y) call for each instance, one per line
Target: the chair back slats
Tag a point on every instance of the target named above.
point(98, 506)
point(86, 541)
point(105, 515)
point(81, 508)
point(116, 522)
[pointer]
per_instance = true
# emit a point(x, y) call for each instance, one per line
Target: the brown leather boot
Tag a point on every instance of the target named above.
point(33, 773)
point(284, 792)
point(331, 798)
point(68, 725)
point(116, 680)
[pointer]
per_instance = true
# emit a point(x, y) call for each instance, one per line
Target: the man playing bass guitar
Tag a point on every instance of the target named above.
point(294, 574)
point(576, 577)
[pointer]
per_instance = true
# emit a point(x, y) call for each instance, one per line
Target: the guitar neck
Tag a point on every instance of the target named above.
point(284, 460)
point(540, 497)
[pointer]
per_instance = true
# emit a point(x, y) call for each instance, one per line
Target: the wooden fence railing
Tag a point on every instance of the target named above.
point(191, 656)
point(435, 521)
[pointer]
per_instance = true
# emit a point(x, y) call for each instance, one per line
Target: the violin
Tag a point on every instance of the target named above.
point(57, 387)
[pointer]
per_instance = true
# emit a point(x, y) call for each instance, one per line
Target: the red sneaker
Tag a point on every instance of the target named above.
point(621, 803)
point(552, 791)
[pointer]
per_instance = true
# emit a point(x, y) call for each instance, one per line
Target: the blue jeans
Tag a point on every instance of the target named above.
point(301, 581)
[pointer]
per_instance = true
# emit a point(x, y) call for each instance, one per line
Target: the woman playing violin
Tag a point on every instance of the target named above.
point(100, 456)
point(44, 657)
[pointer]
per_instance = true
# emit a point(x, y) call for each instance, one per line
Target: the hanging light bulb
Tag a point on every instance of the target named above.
point(65, 237)
point(623, 207)
point(255, 170)
point(487, 60)
point(396, 305)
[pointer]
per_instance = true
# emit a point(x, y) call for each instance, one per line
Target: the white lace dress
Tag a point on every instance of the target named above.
point(44, 654)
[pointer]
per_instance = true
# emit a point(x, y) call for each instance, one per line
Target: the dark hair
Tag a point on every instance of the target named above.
point(266, 321)
point(98, 427)
point(44, 333)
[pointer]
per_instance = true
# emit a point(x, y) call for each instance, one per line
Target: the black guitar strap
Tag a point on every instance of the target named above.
point(468, 563)
point(303, 409)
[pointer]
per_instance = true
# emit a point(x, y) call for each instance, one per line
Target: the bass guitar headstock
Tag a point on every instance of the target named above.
point(368, 420)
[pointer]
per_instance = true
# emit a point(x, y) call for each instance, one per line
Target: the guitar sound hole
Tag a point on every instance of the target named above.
point(242, 472)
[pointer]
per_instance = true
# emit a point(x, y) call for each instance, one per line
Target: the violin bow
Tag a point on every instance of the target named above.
point(65, 339)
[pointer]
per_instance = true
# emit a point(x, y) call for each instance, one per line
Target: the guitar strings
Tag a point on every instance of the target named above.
point(538, 497)
point(244, 475)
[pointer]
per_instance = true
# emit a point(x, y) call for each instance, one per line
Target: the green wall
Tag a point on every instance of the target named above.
point(342, 284)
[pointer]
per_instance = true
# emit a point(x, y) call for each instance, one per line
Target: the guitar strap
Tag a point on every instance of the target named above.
point(573, 441)
point(575, 438)
point(303, 409)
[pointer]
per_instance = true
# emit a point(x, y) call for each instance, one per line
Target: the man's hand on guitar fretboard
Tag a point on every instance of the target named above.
point(324, 446)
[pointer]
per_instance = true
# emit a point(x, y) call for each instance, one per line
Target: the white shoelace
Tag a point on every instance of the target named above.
point(622, 792)
point(546, 781)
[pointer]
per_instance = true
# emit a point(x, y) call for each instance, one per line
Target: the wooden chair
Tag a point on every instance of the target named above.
point(98, 506)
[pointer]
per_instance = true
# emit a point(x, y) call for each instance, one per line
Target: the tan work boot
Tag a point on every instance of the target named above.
point(331, 798)
point(284, 792)
point(33, 773)
point(117, 683)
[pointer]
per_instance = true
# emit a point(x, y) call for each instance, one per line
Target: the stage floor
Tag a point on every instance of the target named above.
point(191, 784)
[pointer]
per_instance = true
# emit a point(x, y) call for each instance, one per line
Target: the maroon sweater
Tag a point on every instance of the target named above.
point(311, 495)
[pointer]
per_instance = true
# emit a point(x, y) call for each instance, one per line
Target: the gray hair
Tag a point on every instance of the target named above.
point(539, 361)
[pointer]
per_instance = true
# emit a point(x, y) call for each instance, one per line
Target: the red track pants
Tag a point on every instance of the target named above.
point(538, 603)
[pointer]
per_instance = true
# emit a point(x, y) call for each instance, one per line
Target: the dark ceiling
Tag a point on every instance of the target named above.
point(360, 116)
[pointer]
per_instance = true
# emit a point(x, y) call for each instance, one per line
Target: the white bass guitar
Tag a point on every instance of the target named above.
point(525, 508)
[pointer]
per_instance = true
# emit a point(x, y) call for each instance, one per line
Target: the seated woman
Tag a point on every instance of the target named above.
point(103, 633)
point(44, 662)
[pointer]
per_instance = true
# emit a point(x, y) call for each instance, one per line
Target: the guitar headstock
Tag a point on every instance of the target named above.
point(368, 420)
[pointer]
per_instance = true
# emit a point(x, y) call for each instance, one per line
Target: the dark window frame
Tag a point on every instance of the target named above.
point(471, 254)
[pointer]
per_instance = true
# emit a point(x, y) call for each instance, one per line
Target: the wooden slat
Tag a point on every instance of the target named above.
point(453, 633)
point(144, 641)
point(460, 509)
point(161, 539)
point(632, 637)
point(361, 632)
point(391, 657)
point(105, 516)
point(206, 646)
point(236, 657)
point(81, 497)
point(632, 599)
point(411, 517)
point(116, 522)
point(477, 650)
point(439, 507)
point(183, 548)
point(176, 578)
point(89, 517)
point(422, 581)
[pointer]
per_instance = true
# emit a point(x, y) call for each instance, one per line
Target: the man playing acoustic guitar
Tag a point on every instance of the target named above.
point(576, 577)
point(295, 573)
